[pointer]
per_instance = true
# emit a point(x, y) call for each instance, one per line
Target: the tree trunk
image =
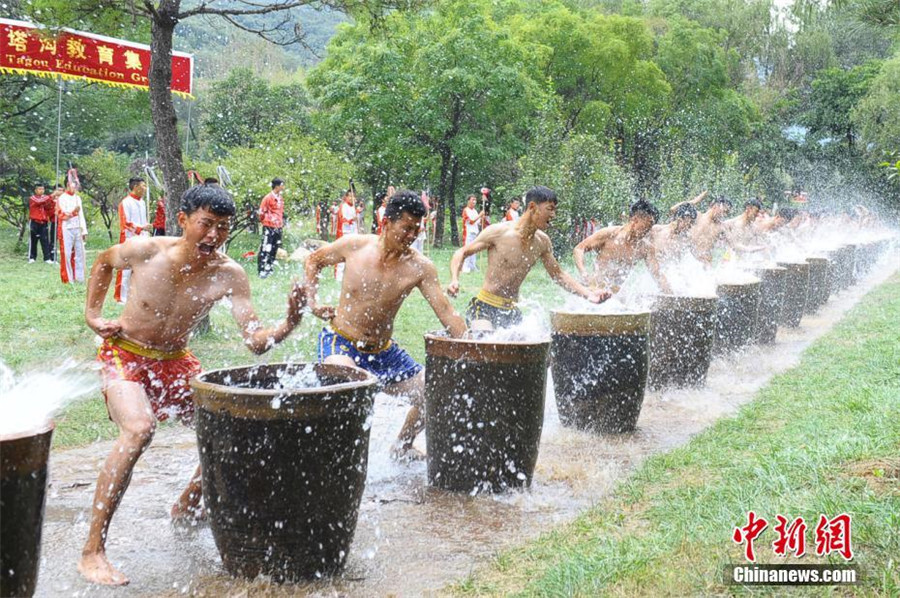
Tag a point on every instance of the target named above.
point(454, 227)
point(165, 121)
point(445, 198)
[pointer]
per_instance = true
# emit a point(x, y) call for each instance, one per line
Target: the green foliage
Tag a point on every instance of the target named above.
point(599, 65)
point(877, 115)
point(244, 108)
point(104, 178)
point(583, 172)
point(311, 171)
point(835, 93)
point(444, 98)
point(20, 173)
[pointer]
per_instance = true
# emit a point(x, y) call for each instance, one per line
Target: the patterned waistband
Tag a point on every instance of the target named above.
point(148, 352)
point(495, 300)
point(361, 346)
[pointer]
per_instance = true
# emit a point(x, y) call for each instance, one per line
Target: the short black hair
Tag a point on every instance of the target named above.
point(788, 213)
point(685, 210)
point(402, 202)
point(134, 181)
point(644, 207)
point(753, 203)
point(276, 182)
point(210, 180)
point(380, 196)
point(210, 196)
point(722, 200)
point(539, 195)
point(36, 185)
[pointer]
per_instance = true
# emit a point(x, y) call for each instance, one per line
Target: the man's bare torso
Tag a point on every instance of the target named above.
point(669, 244)
point(510, 258)
point(168, 295)
point(374, 289)
point(617, 256)
point(704, 236)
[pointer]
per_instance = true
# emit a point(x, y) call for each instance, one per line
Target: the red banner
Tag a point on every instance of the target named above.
point(25, 49)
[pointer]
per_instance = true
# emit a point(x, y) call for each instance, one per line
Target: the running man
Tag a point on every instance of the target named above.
point(619, 248)
point(673, 240)
point(710, 228)
point(146, 364)
point(513, 249)
point(381, 272)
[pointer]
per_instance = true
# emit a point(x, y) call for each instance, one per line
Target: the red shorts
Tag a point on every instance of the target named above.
point(164, 376)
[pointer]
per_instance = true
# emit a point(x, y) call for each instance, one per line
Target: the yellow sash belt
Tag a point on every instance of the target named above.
point(495, 300)
point(148, 351)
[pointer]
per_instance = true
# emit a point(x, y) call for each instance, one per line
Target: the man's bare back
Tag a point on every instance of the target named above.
point(705, 234)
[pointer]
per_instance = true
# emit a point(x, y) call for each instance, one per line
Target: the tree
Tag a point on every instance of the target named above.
point(445, 91)
point(102, 176)
point(19, 174)
point(243, 107)
point(877, 115)
point(834, 95)
point(164, 16)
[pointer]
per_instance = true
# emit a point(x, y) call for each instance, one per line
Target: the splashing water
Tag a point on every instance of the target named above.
point(32, 401)
point(533, 328)
point(688, 277)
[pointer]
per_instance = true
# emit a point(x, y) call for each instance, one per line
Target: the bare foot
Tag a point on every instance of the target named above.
point(188, 513)
point(409, 453)
point(97, 569)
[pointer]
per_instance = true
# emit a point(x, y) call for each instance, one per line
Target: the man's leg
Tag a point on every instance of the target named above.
point(130, 410)
point(45, 241)
point(78, 247)
point(32, 240)
point(188, 504)
point(414, 389)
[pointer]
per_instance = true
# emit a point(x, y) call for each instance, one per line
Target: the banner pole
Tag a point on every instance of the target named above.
point(56, 181)
point(58, 126)
point(187, 131)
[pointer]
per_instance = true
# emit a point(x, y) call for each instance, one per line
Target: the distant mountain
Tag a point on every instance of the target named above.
point(218, 46)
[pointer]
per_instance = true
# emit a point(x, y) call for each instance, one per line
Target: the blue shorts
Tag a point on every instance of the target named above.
point(390, 365)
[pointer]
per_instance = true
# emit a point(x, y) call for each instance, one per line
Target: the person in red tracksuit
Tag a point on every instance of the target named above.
point(159, 221)
point(39, 225)
point(271, 216)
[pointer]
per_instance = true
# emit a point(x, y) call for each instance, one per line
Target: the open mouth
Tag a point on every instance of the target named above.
point(206, 248)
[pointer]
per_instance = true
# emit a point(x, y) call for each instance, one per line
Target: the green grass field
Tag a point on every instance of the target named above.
point(42, 322)
point(822, 438)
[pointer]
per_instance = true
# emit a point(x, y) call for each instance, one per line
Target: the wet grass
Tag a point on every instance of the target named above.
point(822, 438)
point(42, 320)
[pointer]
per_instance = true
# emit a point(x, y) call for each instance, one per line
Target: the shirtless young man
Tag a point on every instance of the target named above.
point(146, 365)
point(673, 240)
point(381, 272)
point(513, 248)
point(709, 229)
point(619, 248)
point(740, 231)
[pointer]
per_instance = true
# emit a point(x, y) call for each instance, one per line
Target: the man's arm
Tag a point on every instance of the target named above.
point(566, 281)
point(117, 257)
point(483, 241)
point(652, 260)
point(258, 339)
point(327, 255)
point(693, 202)
point(592, 243)
point(430, 288)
